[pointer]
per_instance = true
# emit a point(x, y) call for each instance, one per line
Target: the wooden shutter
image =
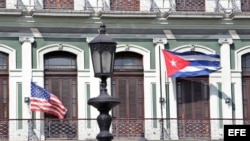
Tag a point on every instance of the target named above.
point(193, 98)
point(65, 89)
point(4, 98)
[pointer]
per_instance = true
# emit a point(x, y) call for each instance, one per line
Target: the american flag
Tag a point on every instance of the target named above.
point(43, 101)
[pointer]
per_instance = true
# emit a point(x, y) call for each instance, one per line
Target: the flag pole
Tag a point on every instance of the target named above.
point(30, 123)
point(161, 98)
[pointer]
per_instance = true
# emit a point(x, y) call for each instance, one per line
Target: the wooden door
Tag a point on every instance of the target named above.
point(246, 87)
point(65, 88)
point(246, 99)
point(131, 110)
point(4, 96)
point(61, 80)
point(4, 107)
point(127, 85)
point(193, 108)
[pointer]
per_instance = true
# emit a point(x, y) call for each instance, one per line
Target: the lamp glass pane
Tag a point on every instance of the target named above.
point(96, 61)
point(106, 61)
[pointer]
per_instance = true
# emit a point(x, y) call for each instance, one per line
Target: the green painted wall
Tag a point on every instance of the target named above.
point(237, 44)
point(19, 105)
point(148, 44)
point(15, 44)
point(154, 101)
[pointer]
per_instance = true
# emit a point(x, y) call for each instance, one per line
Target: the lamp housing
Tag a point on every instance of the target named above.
point(102, 49)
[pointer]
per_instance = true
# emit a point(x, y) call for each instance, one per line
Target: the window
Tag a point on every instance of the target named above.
point(4, 93)
point(245, 5)
point(2, 3)
point(190, 5)
point(246, 64)
point(58, 4)
point(128, 60)
point(3, 61)
point(125, 5)
point(60, 60)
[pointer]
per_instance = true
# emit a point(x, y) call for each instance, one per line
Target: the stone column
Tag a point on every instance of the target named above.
point(26, 71)
point(226, 76)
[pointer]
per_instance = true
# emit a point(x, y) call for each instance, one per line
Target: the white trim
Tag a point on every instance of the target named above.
point(238, 55)
point(60, 47)
point(137, 49)
point(193, 47)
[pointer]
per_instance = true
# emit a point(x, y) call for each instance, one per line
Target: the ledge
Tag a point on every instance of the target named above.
point(127, 14)
point(61, 13)
point(10, 12)
point(195, 15)
point(240, 15)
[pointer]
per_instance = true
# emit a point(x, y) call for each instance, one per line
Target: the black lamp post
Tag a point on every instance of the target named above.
point(102, 50)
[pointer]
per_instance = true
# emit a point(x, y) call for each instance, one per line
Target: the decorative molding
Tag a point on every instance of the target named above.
point(26, 39)
point(160, 40)
point(225, 40)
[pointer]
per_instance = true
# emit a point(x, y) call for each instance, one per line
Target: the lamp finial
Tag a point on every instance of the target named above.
point(102, 29)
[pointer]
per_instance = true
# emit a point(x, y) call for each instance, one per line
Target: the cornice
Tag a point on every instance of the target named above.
point(61, 13)
point(10, 12)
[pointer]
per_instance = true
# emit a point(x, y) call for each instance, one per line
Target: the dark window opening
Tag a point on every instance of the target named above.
point(128, 60)
point(60, 60)
point(246, 64)
point(3, 61)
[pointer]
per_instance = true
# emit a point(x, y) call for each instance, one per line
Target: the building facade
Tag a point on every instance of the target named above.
point(46, 42)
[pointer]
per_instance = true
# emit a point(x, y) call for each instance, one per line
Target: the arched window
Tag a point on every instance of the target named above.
point(245, 60)
point(59, 60)
point(128, 60)
point(3, 61)
point(61, 79)
point(246, 64)
point(128, 86)
point(4, 94)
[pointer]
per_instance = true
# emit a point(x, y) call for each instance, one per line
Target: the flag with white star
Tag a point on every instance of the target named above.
point(190, 64)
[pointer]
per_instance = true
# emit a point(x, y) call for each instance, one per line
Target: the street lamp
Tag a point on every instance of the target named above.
point(102, 50)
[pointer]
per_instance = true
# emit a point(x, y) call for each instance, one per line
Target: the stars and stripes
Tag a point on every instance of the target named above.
point(43, 101)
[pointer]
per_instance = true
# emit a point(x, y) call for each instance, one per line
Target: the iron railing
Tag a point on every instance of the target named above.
point(195, 5)
point(131, 129)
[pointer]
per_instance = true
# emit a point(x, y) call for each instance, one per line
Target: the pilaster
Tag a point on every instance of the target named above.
point(26, 71)
point(226, 76)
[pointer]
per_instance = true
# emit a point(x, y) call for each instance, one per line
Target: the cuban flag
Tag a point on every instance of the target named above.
point(190, 64)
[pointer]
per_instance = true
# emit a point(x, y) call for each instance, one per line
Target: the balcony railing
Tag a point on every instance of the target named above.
point(168, 129)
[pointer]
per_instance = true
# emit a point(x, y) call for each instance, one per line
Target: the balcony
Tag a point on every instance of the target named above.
point(122, 129)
